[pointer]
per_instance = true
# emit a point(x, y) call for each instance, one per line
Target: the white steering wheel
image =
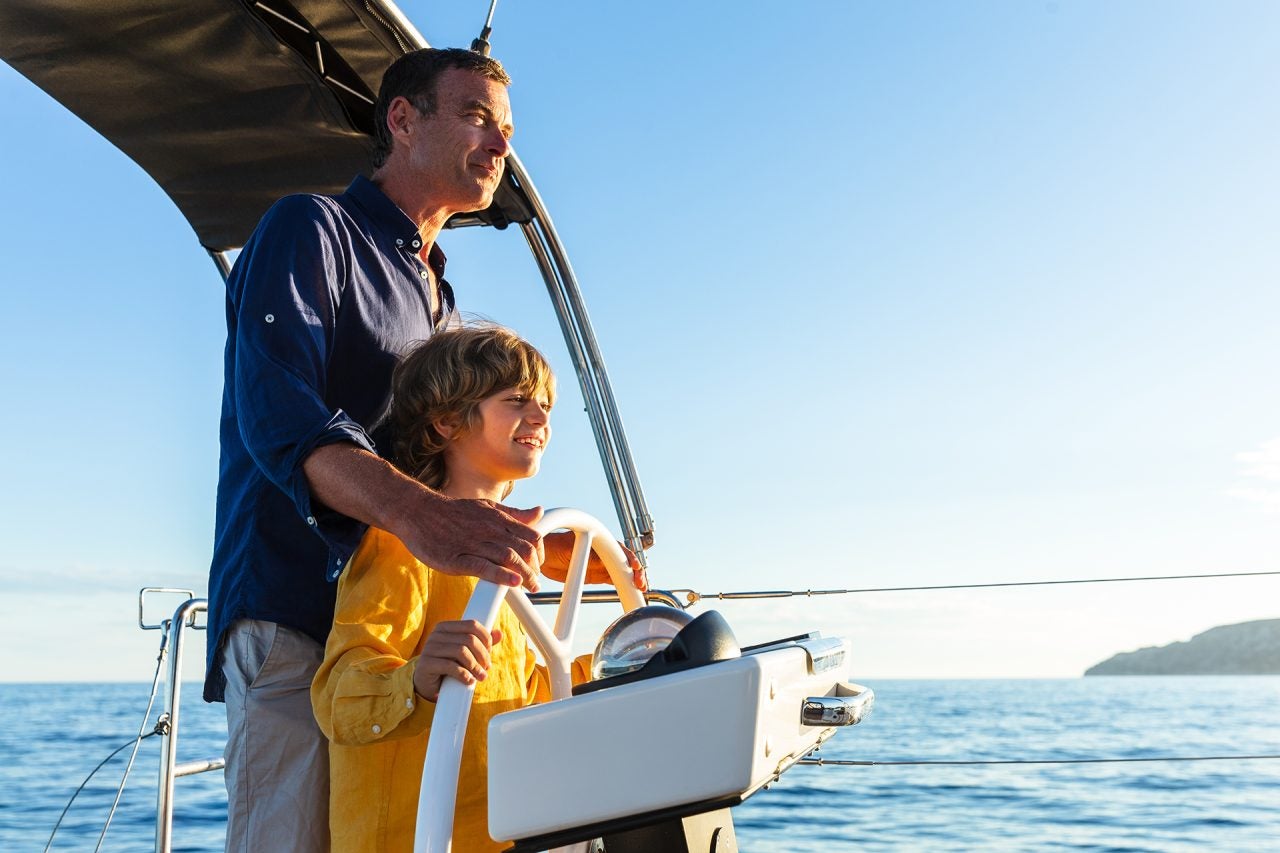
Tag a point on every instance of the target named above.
point(439, 791)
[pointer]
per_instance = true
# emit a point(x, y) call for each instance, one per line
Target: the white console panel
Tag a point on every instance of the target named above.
point(709, 733)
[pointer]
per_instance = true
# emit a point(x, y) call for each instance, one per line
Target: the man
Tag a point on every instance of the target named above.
point(323, 298)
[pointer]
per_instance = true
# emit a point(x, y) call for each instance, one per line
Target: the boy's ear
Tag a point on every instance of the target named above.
point(447, 426)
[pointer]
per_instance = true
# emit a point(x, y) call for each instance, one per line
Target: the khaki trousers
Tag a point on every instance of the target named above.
point(277, 758)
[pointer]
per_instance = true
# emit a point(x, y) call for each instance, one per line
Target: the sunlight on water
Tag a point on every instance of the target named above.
point(55, 734)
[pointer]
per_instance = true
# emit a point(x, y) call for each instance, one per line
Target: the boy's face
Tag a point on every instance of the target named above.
point(507, 443)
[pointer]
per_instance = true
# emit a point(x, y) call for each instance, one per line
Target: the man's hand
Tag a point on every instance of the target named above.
point(558, 549)
point(470, 537)
point(453, 650)
point(457, 537)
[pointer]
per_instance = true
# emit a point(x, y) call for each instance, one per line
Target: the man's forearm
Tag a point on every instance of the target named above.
point(457, 537)
point(351, 480)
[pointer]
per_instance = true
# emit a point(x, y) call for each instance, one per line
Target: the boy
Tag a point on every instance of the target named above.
point(469, 413)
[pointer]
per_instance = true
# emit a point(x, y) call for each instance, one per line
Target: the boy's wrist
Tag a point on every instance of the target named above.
point(425, 685)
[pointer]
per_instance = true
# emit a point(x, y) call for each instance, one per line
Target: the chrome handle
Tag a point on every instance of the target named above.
point(847, 706)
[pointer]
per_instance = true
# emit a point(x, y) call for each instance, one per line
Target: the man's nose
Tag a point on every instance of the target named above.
point(498, 144)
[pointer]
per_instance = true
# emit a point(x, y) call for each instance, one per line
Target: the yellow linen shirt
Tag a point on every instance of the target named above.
point(363, 697)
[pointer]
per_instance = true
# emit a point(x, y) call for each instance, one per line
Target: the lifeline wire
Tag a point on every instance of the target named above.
point(114, 753)
point(695, 597)
point(146, 715)
point(159, 728)
point(822, 762)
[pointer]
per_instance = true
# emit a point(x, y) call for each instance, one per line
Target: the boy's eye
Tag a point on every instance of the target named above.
point(523, 399)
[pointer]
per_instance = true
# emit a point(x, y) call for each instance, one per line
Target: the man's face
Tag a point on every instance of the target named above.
point(459, 151)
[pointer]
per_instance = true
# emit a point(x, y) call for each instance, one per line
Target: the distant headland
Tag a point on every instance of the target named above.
point(1248, 648)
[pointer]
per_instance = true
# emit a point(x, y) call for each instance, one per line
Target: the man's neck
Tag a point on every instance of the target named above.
point(429, 218)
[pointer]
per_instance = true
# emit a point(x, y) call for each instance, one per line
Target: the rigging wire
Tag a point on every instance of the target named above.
point(694, 597)
point(823, 762)
point(65, 808)
point(161, 727)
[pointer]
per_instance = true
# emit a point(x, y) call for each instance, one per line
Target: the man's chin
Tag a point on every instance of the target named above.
point(482, 201)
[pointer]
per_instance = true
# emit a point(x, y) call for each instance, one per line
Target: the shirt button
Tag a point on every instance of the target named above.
point(377, 729)
point(311, 520)
point(399, 242)
point(417, 244)
point(271, 318)
point(408, 703)
point(423, 273)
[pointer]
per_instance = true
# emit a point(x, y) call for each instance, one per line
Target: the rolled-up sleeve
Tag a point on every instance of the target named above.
point(284, 307)
point(363, 692)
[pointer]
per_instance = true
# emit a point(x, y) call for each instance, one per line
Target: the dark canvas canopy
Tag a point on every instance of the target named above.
point(231, 104)
point(228, 105)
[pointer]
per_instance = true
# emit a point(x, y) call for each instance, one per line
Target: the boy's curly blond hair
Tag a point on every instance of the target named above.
point(445, 379)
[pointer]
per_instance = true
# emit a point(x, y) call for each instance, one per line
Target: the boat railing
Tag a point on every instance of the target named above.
point(171, 646)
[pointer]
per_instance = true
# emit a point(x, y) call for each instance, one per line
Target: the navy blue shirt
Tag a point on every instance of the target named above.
point(325, 297)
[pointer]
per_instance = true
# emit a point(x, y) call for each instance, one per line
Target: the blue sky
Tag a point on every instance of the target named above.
point(891, 294)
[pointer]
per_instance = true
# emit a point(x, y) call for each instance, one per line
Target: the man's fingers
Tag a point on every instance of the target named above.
point(637, 570)
point(487, 570)
point(529, 516)
point(482, 539)
point(523, 561)
point(521, 556)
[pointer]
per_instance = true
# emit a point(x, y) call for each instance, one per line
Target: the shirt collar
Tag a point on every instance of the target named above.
point(388, 217)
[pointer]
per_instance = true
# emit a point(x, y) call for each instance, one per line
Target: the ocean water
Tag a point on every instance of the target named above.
point(53, 735)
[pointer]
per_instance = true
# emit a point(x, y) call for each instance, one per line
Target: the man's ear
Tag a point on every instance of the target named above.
point(400, 115)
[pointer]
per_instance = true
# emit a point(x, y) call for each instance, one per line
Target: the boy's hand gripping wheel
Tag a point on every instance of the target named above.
point(439, 792)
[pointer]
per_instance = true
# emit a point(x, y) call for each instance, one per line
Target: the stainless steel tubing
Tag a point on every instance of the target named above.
point(223, 263)
point(575, 325)
point(191, 768)
point(605, 596)
point(169, 737)
point(617, 488)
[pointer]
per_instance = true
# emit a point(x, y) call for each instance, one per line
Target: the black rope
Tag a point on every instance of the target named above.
point(821, 762)
point(808, 593)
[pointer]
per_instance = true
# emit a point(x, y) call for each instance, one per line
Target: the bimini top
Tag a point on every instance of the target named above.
point(227, 105)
